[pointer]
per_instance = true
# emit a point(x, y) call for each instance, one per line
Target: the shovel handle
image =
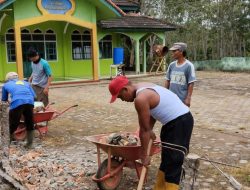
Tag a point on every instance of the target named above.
point(144, 169)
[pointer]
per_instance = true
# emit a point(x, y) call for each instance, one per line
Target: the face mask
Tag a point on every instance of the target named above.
point(37, 61)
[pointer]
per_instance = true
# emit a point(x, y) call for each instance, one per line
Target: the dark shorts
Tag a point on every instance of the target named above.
point(41, 97)
point(177, 131)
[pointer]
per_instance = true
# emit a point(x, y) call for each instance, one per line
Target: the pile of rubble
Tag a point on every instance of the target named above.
point(121, 139)
point(44, 169)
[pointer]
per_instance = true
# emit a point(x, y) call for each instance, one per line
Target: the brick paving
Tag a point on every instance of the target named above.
point(220, 105)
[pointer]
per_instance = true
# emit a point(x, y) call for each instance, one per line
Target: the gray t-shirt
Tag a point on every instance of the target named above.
point(40, 73)
point(180, 76)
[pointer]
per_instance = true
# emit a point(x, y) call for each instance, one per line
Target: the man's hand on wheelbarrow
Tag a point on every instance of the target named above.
point(46, 91)
point(145, 160)
point(152, 135)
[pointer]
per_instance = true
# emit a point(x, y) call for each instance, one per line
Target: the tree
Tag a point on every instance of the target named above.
point(212, 28)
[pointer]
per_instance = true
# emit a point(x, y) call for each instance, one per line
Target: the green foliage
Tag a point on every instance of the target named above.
point(213, 29)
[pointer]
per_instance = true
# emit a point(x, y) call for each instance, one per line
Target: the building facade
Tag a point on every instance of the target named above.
point(74, 36)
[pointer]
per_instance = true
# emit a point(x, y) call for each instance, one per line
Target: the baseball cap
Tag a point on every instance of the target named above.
point(179, 46)
point(116, 85)
point(11, 75)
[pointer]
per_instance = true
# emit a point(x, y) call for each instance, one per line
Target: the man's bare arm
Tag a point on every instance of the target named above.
point(143, 109)
point(46, 89)
point(167, 84)
point(30, 79)
point(187, 100)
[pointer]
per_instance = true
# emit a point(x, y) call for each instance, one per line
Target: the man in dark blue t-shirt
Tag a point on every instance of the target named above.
point(22, 102)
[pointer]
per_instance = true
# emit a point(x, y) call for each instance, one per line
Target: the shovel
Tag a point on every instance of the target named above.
point(144, 169)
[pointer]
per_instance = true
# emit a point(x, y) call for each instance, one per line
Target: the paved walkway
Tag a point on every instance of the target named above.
point(220, 105)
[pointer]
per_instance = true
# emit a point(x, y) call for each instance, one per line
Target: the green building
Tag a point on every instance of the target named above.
point(76, 37)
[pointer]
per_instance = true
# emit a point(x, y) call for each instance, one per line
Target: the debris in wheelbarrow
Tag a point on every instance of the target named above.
point(47, 114)
point(38, 107)
point(121, 139)
point(109, 173)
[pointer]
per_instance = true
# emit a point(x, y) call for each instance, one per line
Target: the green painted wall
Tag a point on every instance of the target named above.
point(75, 68)
point(85, 11)
point(25, 9)
point(4, 66)
point(103, 9)
point(104, 64)
point(105, 67)
point(57, 27)
point(65, 66)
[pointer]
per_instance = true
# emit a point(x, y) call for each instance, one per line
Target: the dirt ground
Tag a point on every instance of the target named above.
point(220, 106)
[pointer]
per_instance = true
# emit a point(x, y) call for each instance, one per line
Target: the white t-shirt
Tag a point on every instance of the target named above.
point(170, 106)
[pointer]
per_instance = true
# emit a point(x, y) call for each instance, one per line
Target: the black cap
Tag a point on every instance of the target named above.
point(32, 52)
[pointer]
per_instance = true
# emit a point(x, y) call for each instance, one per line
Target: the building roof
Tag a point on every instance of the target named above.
point(128, 5)
point(116, 7)
point(136, 22)
point(126, 2)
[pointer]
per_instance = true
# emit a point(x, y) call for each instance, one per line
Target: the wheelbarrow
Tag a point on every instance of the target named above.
point(109, 173)
point(45, 115)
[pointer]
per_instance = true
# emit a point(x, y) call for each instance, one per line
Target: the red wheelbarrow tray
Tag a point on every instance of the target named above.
point(38, 117)
point(43, 116)
point(129, 153)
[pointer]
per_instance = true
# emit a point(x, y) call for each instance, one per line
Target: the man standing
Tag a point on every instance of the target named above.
point(22, 103)
point(153, 102)
point(180, 75)
point(41, 76)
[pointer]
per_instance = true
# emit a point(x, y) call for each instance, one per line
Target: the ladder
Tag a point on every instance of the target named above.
point(159, 63)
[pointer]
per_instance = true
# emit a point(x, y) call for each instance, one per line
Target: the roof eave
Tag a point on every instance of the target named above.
point(6, 3)
point(131, 29)
point(113, 7)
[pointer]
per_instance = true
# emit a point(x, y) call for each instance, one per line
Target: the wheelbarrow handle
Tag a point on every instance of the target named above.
point(52, 103)
point(57, 114)
point(144, 169)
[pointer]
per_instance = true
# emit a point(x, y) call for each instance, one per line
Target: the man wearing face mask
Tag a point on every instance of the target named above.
point(180, 75)
point(41, 76)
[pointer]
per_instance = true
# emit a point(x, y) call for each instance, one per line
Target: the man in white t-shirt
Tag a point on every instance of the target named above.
point(180, 75)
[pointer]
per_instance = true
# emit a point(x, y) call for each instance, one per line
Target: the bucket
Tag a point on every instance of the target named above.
point(118, 55)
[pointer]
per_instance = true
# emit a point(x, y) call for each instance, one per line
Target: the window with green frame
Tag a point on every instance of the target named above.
point(10, 44)
point(47, 41)
point(105, 47)
point(81, 45)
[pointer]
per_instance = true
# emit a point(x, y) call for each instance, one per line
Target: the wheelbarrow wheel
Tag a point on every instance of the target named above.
point(112, 182)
